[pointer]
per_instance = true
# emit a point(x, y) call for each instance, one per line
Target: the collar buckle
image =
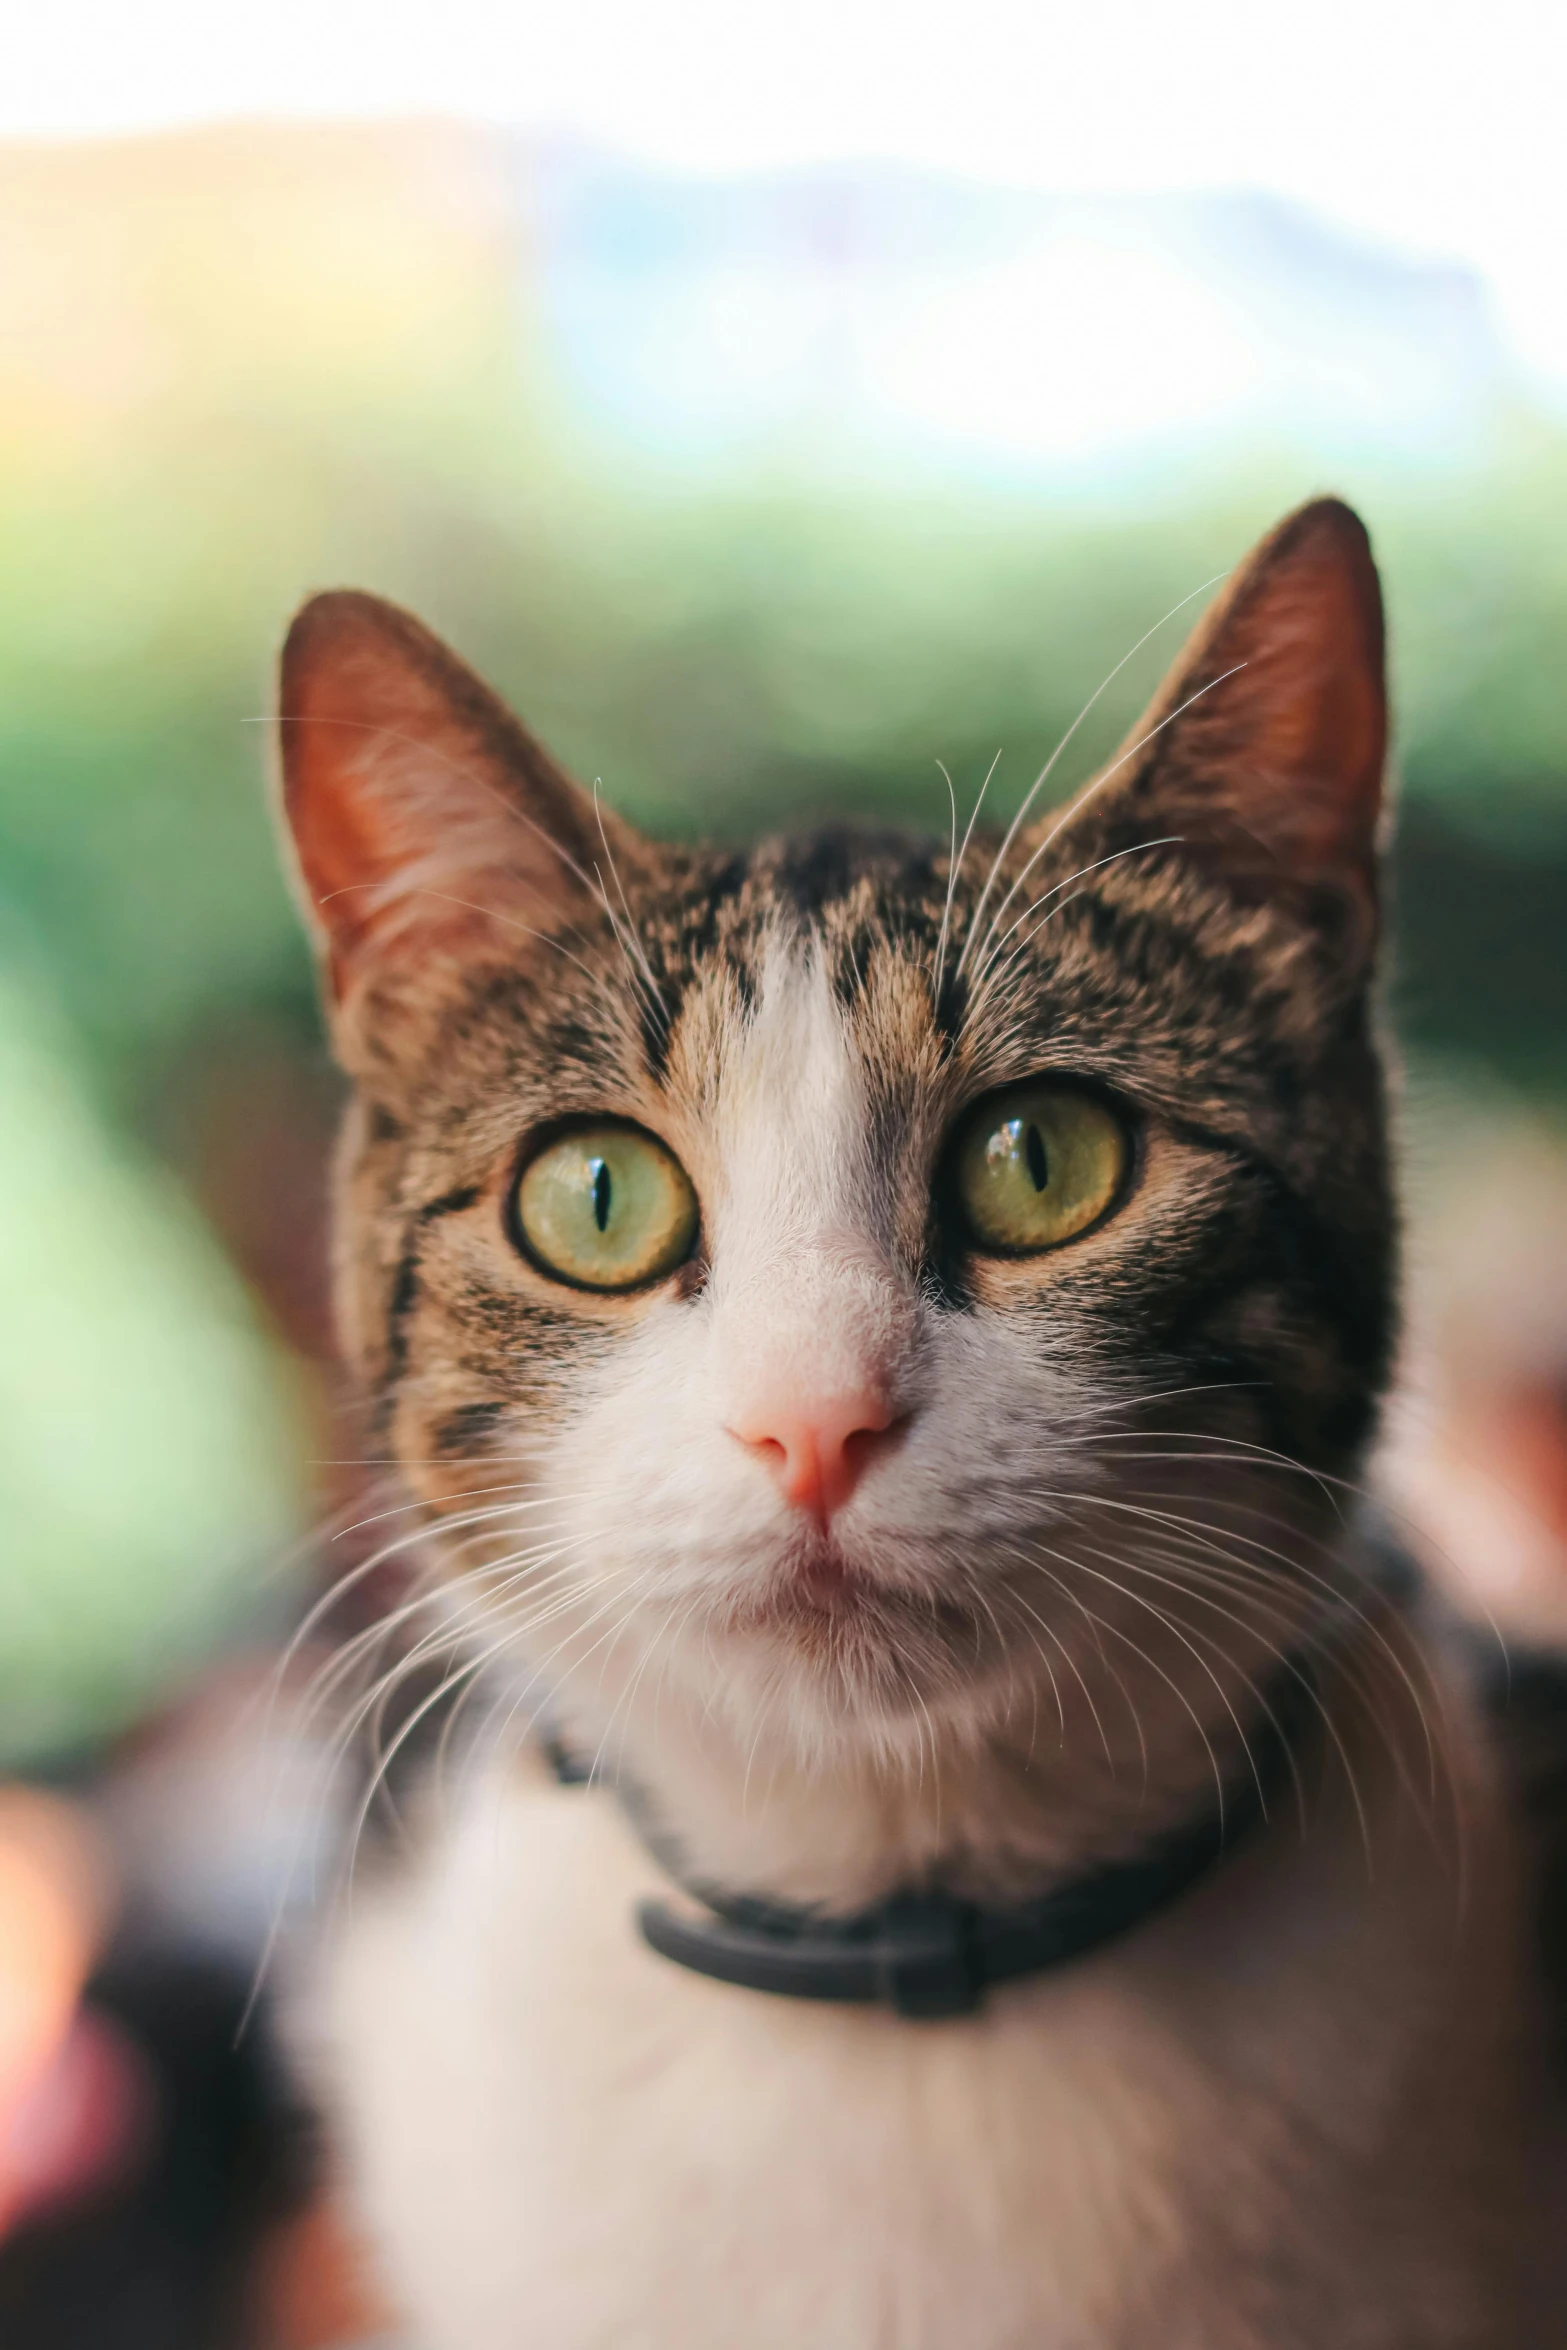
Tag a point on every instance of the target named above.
point(927, 1963)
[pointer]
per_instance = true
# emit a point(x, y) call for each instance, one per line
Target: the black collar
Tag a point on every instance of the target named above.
point(927, 1953)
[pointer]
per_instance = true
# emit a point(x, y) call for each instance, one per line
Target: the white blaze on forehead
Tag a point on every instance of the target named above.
point(790, 1125)
point(803, 1282)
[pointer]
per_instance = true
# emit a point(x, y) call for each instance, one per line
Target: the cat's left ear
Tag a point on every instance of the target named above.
point(426, 821)
point(1264, 749)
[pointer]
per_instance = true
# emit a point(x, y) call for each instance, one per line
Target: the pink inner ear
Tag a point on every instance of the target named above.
point(416, 801)
point(342, 835)
point(352, 720)
point(1269, 736)
point(1318, 700)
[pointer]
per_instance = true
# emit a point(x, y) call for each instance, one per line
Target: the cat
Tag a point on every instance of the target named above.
point(972, 1846)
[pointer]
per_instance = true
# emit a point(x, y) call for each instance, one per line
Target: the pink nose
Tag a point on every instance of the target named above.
point(817, 1449)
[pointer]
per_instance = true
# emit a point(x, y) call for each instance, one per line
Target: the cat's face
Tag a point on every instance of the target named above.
point(868, 1292)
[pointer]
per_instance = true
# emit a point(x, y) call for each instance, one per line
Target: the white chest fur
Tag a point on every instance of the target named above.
point(562, 2142)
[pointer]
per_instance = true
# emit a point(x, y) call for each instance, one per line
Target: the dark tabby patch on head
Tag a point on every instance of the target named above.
point(469, 1429)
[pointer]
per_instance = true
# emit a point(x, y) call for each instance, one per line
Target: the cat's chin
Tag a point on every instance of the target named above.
point(856, 1648)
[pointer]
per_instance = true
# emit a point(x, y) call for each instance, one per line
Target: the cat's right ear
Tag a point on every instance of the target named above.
point(1262, 755)
point(425, 820)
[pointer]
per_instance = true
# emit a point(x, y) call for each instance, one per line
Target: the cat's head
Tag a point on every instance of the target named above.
point(863, 1287)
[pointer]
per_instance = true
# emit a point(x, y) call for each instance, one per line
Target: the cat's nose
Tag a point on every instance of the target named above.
point(818, 1449)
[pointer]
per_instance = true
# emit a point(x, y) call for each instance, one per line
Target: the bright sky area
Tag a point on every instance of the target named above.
point(1431, 126)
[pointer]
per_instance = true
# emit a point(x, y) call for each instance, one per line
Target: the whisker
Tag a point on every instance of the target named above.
point(1044, 775)
point(954, 869)
point(994, 961)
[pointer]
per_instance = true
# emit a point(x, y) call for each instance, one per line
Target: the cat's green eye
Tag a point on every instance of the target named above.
point(1036, 1166)
point(606, 1207)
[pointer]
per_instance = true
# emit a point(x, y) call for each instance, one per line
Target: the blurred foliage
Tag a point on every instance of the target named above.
point(147, 1465)
point(313, 360)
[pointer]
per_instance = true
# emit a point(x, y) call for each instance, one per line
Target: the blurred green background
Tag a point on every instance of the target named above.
point(535, 395)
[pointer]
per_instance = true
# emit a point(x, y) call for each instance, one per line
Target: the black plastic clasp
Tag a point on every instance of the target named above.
point(927, 1965)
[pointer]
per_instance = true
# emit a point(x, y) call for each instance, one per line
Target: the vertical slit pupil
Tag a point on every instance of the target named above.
point(1034, 1152)
point(601, 1192)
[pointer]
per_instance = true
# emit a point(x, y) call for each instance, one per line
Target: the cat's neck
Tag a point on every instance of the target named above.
point(1000, 1816)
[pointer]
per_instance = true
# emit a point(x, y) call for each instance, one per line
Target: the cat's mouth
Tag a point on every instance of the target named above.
point(825, 1598)
point(820, 1586)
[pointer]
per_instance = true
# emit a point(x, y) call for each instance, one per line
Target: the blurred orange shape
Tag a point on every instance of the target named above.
point(54, 1898)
